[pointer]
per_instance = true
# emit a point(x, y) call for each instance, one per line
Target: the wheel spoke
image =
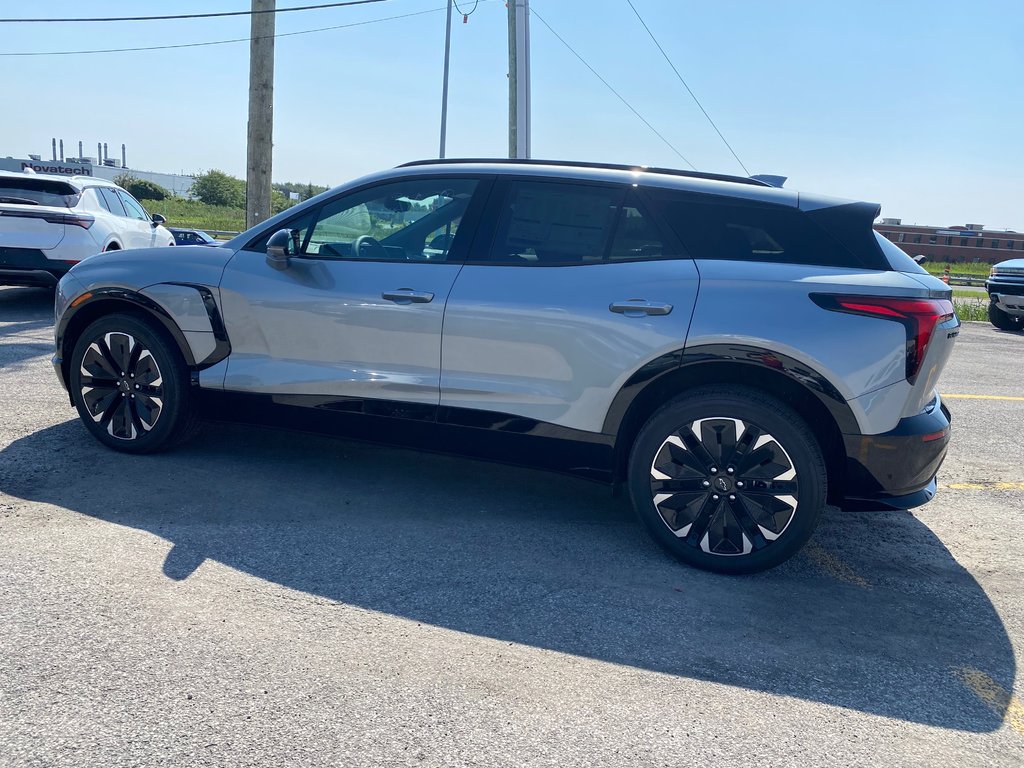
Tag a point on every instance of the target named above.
point(147, 409)
point(96, 362)
point(99, 398)
point(119, 346)
point(702, 520)
point(146, 371)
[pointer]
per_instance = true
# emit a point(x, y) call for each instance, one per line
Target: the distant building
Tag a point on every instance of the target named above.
point(177, 184)
point(956, 244)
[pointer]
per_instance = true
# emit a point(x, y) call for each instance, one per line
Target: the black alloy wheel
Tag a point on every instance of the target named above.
point(728, 480)
point(131, 386)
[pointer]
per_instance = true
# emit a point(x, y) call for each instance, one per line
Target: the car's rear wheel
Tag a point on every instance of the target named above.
point(728, 479)
point(131, 385)
point(1004, 321)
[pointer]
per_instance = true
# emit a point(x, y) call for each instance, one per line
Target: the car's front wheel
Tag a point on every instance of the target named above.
point(131, 385)
point(728, 479)
point(1004, 321)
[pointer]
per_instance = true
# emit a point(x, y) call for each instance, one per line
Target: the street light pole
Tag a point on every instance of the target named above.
point(444, 89)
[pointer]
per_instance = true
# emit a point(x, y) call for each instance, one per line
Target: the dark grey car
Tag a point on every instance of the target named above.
point(737, 354)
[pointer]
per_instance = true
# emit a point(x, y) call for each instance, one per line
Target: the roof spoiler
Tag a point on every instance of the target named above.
point(770, 180)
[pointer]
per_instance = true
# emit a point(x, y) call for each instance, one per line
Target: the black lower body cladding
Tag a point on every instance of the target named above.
point(896, 469)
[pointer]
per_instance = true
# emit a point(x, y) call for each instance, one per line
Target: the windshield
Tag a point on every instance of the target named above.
point(30, 191)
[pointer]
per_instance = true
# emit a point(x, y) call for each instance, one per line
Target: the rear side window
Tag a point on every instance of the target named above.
point(545, 223)
point(33, 191)
point(721, 228)
point(111, 201)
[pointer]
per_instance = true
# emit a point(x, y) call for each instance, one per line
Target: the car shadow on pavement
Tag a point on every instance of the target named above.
point(874, 616)
point(26, 304)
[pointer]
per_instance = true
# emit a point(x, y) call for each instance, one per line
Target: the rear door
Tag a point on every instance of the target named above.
point(139, 227)
point(575, 288)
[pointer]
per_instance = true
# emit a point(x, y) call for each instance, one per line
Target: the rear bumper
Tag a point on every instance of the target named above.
point(896, 470)
point(29, 266)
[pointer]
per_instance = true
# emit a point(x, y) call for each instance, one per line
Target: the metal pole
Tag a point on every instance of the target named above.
point(513, 91)
point(444, 89)
point(523, 79)
point(260, 138)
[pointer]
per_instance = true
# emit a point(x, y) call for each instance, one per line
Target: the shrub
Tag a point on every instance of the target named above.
point(141, 189)
point(218, 188)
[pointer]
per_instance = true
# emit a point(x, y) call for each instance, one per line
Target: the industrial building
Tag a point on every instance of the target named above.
point(954, 245)
point(101, 166)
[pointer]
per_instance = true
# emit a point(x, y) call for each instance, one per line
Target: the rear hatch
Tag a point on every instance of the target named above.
point(33, 210)
point(928, 316)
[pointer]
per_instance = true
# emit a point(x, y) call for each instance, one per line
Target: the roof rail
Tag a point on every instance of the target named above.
point(583, 164)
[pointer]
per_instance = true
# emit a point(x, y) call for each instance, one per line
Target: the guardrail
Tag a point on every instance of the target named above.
point(955, 279)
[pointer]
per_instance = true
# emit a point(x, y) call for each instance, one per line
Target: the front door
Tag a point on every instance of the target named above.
point(357, 314)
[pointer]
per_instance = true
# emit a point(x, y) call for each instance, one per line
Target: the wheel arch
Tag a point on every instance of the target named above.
point(801, 388)
point(102, 302)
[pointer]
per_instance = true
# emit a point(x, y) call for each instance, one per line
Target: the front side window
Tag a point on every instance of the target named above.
point(411, 220)
point(132, 207)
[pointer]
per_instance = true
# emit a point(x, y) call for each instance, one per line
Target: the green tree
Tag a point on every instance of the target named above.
point(141, 189)
point(218, 188)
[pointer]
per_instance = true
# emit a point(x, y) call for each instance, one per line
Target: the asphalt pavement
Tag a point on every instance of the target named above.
point(264, 598)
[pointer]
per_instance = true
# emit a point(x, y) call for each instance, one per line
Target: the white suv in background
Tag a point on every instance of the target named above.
point(50, 223)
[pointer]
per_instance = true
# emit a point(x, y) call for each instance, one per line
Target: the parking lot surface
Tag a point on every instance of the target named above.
point(268, 598)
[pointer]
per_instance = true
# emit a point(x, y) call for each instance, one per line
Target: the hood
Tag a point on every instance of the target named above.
point(137, 268)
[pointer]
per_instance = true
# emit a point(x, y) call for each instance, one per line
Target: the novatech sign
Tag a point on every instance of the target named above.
point(46, 166)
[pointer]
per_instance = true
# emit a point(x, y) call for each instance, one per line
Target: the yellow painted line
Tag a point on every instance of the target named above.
point(986, 486)
point(833, 566)
point(981, 397)
point(993, 695)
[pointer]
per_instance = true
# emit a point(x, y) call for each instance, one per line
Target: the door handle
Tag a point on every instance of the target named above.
point(408, 296)
point(639, 308)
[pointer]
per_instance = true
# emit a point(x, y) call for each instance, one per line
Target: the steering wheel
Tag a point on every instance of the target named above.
point(368, 247)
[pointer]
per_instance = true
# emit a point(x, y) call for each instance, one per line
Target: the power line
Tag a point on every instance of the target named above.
point(610, 88)
point(191, 15)
point(464, 14)
point(219, 42)
point(681, 80)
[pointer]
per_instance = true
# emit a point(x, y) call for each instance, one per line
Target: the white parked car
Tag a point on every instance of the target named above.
point(50, 223)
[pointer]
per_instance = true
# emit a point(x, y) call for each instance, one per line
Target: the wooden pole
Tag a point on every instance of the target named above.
point(260, 138)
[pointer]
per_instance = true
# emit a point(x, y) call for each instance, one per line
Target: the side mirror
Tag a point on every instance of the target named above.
point(280, 249)
point(158, 219)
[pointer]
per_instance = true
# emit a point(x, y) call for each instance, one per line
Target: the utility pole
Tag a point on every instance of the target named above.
point(444, 88)
point(519, 79)
point(260, 138)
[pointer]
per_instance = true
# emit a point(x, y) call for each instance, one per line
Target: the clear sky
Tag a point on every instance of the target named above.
point(915, 104)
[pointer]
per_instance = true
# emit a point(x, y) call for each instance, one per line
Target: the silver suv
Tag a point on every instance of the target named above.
point(738, 355)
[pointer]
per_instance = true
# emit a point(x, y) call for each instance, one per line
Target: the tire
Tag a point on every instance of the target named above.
point(131, 386)
point(741, 494)
point(1004, 321)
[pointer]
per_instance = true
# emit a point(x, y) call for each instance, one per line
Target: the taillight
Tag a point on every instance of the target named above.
point(918, 316)
point(79, 220)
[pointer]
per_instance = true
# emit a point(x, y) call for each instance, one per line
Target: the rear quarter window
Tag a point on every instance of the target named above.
point(735, 230)
point(32, 191)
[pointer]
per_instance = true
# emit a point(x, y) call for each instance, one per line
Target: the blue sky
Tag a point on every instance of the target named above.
point(911, 103)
